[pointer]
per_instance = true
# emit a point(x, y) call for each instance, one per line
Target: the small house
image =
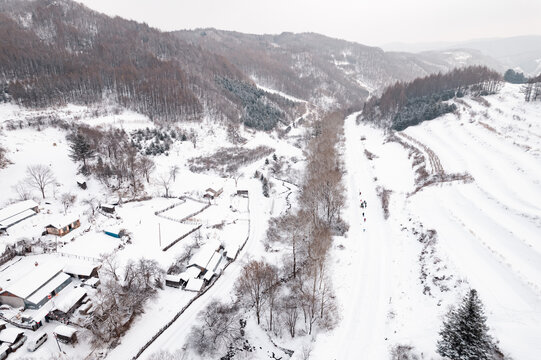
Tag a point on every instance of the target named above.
point(108, 208)
point(190, 273)
point(243, 193)
point(173, 280)
point(66, 334)
point(62, 227)
point(211, 194)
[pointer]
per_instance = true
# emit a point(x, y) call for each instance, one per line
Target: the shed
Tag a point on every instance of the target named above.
point(65, 334)
point(82, 270)
point(243, 193)
point(17, 212)
point(108, 208)
point(4, 351)
point(195, 285)
point(10, 335)
point(68, 301)
point(116, 233)
point(93, 282)
point(61, 227)
point(173, 280)
point(210, 193)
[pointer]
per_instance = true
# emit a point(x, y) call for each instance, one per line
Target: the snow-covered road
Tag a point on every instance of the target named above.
point(362, 286)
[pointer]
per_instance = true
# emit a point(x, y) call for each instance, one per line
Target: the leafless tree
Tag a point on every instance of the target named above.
point(40, 177)
point(3, 159)
point(67, 199)
point(290, 312)
point(22, 191)
point(147, 165)
point(219, 327)
point(173, 171)
point(92, 203)
point(252, 284)
point(164, 181)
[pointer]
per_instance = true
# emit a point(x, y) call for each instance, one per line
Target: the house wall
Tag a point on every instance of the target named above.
point(11, 300)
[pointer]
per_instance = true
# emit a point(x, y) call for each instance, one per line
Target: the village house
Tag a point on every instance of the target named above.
point(211, 194)
point(61, 227)
point(108, 208)
point(82, 270)
point(25, 283)
point(17, 212)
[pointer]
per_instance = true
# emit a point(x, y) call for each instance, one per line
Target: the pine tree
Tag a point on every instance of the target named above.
point(465, 334)
point(80, 149)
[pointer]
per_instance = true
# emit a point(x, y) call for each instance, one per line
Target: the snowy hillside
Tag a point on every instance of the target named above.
point(398, 276)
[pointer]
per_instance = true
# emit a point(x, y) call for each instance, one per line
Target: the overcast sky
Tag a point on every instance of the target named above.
point(371, 22)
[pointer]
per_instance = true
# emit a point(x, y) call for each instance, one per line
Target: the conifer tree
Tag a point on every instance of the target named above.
point(464, 335)
point(80, 149)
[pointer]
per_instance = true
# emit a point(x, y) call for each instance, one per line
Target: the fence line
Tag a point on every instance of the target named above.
point(185, 307)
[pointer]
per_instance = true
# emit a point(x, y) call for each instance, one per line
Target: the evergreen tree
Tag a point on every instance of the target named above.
point(465, 334)
point(80, 149)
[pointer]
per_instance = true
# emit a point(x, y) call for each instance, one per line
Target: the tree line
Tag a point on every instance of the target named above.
point(65, 53)
point(405, 104)
point(296, 297)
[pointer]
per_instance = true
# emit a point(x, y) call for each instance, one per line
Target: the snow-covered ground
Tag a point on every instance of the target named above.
point(393, 287)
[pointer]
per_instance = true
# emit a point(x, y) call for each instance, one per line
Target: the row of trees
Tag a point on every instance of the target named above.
point(404, 104)
point(121, 296)
point(297, 296)
point(532, 90)
point(111, 157)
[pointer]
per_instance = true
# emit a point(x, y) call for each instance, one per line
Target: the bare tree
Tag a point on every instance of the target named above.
point(3, 159)
point(173, 171)
point(147, 165)
point(22, 191)
point(219, 327)
point(92, 203)
point(40, 177)
point(252, 283)
point(164, 180)
point(289, 310)
point(67, 199)
point(272, 291)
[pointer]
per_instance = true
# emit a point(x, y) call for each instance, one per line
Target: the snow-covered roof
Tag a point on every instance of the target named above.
point(92, 281)
point(4, 348)
point(208, 275)
point(203, 256)
point(194, 285)
point(10, 335)
point(173, 278)
point(27, 283)
point(190, 273)
point(80, 268)
point(16, 218)
point(48, 288)
point(214, 261)
point(61, 221)
point(16, 208)
point(110, 206)
point(64, 330)
point(67, 299)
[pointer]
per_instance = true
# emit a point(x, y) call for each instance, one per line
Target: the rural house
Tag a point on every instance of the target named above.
point(61, 227)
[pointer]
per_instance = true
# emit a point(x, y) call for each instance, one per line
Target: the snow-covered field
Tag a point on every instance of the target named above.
point(395, 288)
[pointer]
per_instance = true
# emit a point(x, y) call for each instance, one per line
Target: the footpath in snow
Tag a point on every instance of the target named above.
point(361, 274)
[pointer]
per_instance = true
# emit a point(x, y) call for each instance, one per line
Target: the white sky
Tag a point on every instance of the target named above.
point(372, 22)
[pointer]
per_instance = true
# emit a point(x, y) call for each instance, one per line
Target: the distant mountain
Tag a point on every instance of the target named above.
point(59, 51)
point(519, 52)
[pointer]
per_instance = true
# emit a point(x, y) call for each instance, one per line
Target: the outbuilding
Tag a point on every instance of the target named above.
point(82, 270)
point(108, 208)
point(11, 335)
point(173, 280)
point(17, 212)
point(66, 334)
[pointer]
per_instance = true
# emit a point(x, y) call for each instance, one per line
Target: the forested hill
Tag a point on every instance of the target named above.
point(58, 52)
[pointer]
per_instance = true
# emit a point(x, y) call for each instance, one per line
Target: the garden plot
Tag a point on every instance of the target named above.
point(184, 210)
